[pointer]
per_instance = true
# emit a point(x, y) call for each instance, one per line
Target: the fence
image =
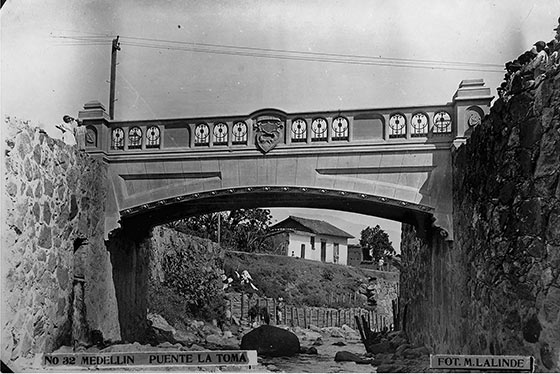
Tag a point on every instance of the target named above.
point(239, 305)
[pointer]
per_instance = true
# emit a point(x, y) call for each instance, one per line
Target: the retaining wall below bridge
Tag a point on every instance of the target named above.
point(496, 288)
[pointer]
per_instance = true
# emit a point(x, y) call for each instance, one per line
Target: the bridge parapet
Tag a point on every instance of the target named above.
point(267, 129)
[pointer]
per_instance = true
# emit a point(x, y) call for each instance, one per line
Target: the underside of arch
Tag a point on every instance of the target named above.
point(171, 209)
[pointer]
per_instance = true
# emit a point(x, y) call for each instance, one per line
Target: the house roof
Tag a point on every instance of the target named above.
point(311, 225)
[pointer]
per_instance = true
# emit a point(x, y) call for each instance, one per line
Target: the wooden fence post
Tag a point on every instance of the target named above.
point(241, 317)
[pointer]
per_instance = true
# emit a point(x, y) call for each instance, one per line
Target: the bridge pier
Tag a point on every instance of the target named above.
point(130, 256)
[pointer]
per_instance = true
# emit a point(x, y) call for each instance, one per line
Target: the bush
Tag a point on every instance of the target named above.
point(186, 278)
point(327, 274)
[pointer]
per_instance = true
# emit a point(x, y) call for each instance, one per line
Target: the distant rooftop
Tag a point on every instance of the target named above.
point(311, 225)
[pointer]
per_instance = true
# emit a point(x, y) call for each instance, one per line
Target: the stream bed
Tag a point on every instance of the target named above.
point(323, 362)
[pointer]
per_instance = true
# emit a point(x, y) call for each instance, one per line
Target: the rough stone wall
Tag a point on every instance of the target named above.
point(202, 261)
point(52, 195)
point(496, 290)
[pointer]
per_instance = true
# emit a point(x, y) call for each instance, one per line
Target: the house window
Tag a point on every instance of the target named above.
point(312, 243)
point(336, 253)
point(303, 251)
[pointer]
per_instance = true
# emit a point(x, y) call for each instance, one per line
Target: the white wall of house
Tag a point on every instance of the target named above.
point(299, 240)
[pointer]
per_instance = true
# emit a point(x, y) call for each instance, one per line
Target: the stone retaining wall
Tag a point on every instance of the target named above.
point(53, 194)
point(496, 289)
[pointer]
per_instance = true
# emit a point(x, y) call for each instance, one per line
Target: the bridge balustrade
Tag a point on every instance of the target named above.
point(442, 123)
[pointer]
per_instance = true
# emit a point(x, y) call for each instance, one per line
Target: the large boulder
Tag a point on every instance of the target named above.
point(271, 341)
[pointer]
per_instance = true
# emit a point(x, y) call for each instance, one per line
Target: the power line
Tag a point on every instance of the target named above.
point(310, 58)
point(312, 53)
point(284, 54)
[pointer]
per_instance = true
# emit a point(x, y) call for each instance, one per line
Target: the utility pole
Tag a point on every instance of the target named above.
point(115, 47)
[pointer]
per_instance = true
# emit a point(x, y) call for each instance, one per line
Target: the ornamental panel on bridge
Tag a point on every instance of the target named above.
point(393, 157)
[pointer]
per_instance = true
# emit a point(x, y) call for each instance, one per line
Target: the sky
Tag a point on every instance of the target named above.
point(187, 58)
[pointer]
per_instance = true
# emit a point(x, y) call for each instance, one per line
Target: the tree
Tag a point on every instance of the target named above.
point(376, 241)
point(240, 229)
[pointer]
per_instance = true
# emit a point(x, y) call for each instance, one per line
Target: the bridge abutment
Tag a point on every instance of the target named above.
point(130, 256)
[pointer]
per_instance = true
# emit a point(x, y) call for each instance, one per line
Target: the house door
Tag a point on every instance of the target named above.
point(323, 251)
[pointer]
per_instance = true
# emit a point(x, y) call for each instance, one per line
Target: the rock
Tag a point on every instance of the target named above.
point(196, 347)
point(214, 339)
point(397, 341)
point(308, 350)
point(311, 351)
point(314, 328)
point(347, 329)
point(211, 330)
point(319, 341)
point(160, 331)
point(134, 347)
point(349, 356)
point(272, 368)
point(228, 334)
point(400, 349)
point(312, 335)
point(185, 338)
point(195, 325)
point(337, 333)
point(390, 369)
point(160, 323)
point(383, 347)
point(415, 352)
point(271, 341)
point(340, 344)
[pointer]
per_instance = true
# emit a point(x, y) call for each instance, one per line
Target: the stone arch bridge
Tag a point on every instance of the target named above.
point(392, 163)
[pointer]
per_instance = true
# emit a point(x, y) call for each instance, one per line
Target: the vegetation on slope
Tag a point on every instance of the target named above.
point(300, 281)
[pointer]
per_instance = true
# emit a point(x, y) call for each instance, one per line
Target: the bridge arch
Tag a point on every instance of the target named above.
point(171, 209)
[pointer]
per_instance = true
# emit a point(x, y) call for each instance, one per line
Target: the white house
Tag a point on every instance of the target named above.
point(314, 240)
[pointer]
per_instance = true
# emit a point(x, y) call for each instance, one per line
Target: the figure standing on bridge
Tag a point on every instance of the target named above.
point(73, 132)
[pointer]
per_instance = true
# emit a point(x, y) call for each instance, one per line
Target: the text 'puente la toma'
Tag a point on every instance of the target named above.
point(393, 163)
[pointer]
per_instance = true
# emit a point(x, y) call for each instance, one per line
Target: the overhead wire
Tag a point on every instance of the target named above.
point(282, 54)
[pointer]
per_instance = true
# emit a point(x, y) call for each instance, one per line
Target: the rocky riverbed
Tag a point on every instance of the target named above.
point(323, 350)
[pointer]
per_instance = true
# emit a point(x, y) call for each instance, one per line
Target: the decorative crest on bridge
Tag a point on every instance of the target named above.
point(268, 132)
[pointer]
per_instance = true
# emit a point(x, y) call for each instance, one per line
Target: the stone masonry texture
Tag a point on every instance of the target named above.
point(53, 194)
point(496, 288)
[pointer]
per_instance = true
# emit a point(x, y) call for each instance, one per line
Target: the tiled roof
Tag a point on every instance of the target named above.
point(313, 225)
